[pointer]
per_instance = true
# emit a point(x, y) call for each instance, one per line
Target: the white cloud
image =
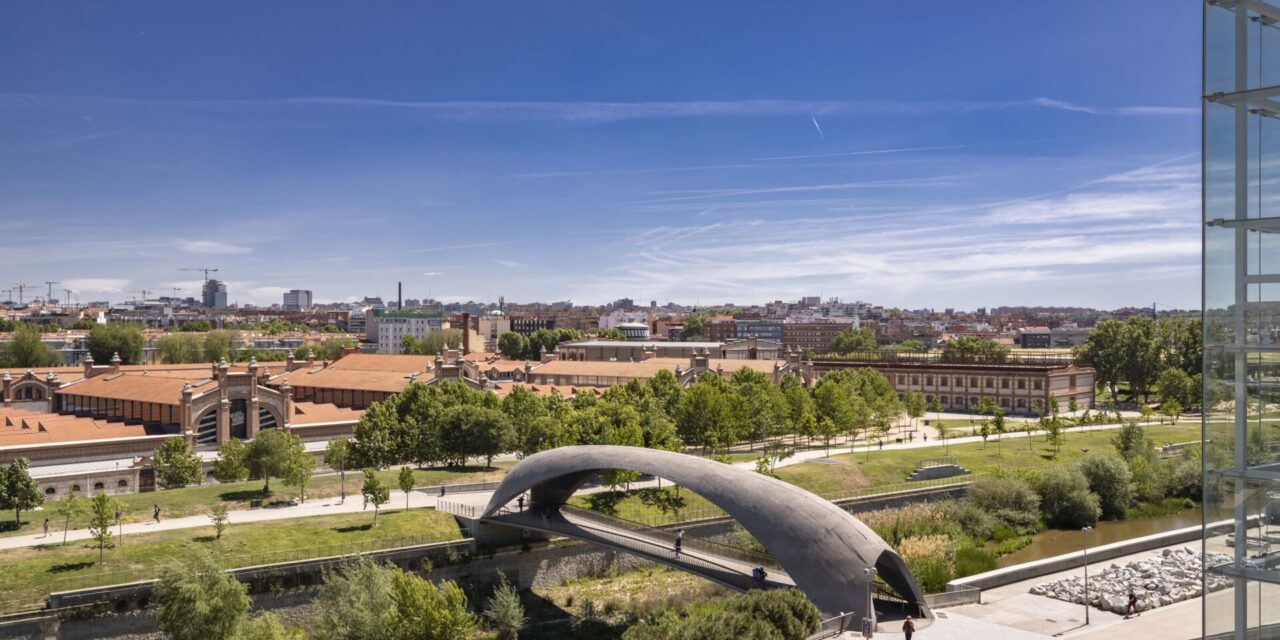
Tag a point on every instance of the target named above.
point(96, 285)
point(213, 247)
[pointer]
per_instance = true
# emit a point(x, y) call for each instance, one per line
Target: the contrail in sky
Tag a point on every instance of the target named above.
point(818, 127)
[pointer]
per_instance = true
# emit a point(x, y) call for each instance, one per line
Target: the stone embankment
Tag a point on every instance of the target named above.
point(1173, 576)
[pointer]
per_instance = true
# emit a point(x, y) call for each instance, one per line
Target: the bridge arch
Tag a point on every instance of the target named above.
point(823, 548)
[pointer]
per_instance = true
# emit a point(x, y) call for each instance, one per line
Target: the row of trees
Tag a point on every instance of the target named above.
point(516, 346)
point(434, 343)
point(449, 423)
point(1143, 352)
point(274, 453)
point(188, 348)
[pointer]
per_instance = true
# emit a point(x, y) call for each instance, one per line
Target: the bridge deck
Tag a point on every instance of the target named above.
point(729, 566)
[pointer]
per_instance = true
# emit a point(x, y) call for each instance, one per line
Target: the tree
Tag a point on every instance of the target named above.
point(984, 430)
point(375, 437)
point(68, 508)
point(703, 411)
point(26, 350)
point(176, 464)
point(217, 346)
point(21, 492)
point(406, 482)
point(1110, 479)
point(609, 333)
point(1142, 359)
point(1053, 434)
point(514, 346)
point(374, 492)
point(489, 433)
point(218, 516)
point(107, 340)
point(1174, 384)
point(1073, 406)
point(179, 348)
point(434, 343)
point(367, 601)
point(197, 600)
point(915, 405)
point(504, 611)
point(694, 329)
point(1065, 499)
point(102, 512)
point(272, 453)
point(336, 454)
point(266, 626)
point(998, 426)
point(851, 340)
point(298, 468)
point(231, 463)
point(1104, 350)
point(1132, 443)
point(1171, 408)
point(968, 349)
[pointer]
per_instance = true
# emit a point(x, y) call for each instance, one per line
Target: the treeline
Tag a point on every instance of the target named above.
point(516, 346)
point(1147, 355)
point(435, 342)
point(449, 423)
point(188, 348)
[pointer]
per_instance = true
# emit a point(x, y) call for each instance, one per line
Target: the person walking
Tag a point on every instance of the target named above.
point(908, 627)
point(155, 513)
point(520, 501)
point(46, 527)
point(1132, 605)
point(679, 541)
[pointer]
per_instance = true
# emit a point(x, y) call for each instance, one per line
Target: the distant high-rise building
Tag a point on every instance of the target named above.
point(297, 300)
point(214, 294)
point(811, 301)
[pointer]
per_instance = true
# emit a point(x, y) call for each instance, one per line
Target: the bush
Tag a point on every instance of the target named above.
point(931, 560)
point(972, 560)
point(973, 521)
point(1065, 499)
point(994, 494)
point(1111, 480)
point(787, 610)
point(1186, 479)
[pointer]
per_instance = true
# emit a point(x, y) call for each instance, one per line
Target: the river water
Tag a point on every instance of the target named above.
point(1054, 542)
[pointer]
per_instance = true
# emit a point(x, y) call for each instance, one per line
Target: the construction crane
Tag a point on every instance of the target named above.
point(206, 271)
point(144, 295)
point(21, 287)
point(175, 293)
point(48, 297)
point(67, 301)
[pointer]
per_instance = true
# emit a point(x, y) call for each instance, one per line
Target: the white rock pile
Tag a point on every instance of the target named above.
point(1172, 577)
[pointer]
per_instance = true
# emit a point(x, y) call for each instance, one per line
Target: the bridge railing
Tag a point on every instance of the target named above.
point(746, 556)
point(555, 522)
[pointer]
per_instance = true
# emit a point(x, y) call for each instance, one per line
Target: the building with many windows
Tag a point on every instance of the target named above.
point(395, 326)
point(214, 294)
point(1241, 289)
point(297, 300)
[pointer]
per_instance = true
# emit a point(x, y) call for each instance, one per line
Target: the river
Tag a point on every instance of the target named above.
point(1055, 542)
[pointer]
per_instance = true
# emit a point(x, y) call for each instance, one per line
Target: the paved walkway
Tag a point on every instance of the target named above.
point(318, 507)
point(331, 506)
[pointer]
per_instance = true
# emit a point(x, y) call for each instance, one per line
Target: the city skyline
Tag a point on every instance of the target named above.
point(598, 152)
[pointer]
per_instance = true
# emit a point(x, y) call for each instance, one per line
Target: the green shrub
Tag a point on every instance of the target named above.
point(1065, 499)
point(993, 494)
point(932, 573)
point(972, 560)
point(1003, 533)
point(1111, 480)
point(973, 521)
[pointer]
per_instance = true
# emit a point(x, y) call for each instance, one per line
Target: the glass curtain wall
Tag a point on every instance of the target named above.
point(1241, 296)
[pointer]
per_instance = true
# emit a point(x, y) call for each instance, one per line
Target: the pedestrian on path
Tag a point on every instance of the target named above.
point(155, 513)
point(679, 541)
point(1132, 605)
point(46, 527)
point(520, 501)
point(908, 627)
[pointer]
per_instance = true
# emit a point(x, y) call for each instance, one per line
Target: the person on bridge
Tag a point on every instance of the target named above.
point(520, 501)
point(679, 540)
point(908, 627)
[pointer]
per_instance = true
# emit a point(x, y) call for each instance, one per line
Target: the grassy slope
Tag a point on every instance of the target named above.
point(32, 572)
point(176, 503)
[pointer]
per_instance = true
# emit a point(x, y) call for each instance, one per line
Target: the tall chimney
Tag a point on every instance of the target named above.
point(466, 333)
point(400, 296)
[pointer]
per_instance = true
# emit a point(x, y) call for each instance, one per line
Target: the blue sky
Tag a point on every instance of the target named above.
point(912, 154)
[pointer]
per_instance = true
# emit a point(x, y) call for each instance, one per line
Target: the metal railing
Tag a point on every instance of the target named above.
point(240, 561)
point(461, 487)
point(723, 569)
point(459, 509)
point(704, 545)
point(940, 461)
point(832, 627)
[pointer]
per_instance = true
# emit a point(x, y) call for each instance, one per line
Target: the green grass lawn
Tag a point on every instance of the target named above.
point(197, 500)
point(632, 506)
point(860, 470)
point(31, 573)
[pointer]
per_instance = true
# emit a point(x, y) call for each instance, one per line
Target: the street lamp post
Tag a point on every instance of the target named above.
point(1084, 533)
point(870, 573)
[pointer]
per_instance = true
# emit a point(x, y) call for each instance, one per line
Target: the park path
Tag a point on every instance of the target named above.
point(420, 499)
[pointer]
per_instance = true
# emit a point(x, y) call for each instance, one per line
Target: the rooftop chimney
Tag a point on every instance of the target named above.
point(400, 296)
point(466, 333)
